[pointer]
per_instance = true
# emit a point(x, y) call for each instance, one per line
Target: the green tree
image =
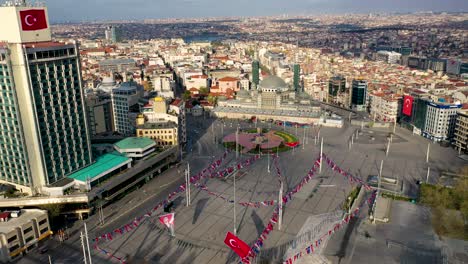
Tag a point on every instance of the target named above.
point(212, 99)
point(186, 95)
point(203, 90)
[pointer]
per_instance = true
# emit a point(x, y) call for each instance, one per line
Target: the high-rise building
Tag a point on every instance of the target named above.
point(44, 132)
point(461, 131)
point(336, 86)
point(359, 94)
point(124, 98)
point(296, 77)
point(115, 34)
point(440, 121)
point(255, 73)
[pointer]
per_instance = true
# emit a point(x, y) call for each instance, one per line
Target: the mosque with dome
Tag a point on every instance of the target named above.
point(273, 99)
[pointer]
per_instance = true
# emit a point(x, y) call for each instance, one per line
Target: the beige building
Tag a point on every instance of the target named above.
point(461, 131)
point(164, 133)
point(20, 231)
point(383, 107)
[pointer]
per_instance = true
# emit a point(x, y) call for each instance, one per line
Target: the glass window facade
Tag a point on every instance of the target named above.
point(13, 158)
point(56, 86)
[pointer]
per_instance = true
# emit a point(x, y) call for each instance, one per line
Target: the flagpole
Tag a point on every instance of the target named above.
point(172, 230)
point(428, 171)
point(237, 143)
point(269, 161)
point(87, 243)
point(321, 153)
point(378, 190)
point(186, 189)
point(427, 153)
point(280, 205)
point(388, 147)
point(83, 246)
point(235, 229)
point(303, 138)
point(188, 180)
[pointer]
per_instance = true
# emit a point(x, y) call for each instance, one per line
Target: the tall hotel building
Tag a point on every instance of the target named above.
point(43, 129)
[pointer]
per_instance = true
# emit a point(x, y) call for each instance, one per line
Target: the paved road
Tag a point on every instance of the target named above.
point(200, 228)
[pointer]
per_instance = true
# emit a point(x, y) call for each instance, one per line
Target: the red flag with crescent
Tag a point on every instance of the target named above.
point(33, 19)
point(407, 105)
point(236, 244)
point(167, 220)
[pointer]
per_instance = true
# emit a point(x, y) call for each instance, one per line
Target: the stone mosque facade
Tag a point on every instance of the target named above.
point(272, 94)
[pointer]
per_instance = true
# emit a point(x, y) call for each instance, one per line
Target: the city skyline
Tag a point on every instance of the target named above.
point(163, 9)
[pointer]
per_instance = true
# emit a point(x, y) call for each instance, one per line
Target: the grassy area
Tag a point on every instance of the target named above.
point(254, 130)
point(232, 145)
point(351, 197)
point(396, 197)
point(288, 138)
point(449, 207)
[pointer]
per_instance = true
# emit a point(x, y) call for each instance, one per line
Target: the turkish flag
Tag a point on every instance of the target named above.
point(407, 105)
point(167, 220)
point(33, 19)
point(239, 246)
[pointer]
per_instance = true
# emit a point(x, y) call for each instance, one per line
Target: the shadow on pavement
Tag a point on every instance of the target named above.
point(258, 223)
point(201, 204)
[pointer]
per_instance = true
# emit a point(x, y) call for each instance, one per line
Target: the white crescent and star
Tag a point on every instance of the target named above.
point(407, 102)
point(28, 22)
point(232, 242)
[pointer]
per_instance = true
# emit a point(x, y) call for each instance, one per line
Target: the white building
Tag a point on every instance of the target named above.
point(388, 56)
point(383, 107)
point(440, 121)
point(123, 98)
point(20, 231)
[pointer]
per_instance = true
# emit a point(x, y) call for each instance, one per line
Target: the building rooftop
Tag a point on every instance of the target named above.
point(134, 142)
point(103, 163)
point(273, 82)
point(159, 125)
point(24, 217)
point(116, 61)
point(46, 44)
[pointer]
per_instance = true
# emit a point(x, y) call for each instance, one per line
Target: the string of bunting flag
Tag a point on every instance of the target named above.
point(257, 245)
point(227, 171)
point(312, 247)
point(109, 254)
point(130, 226)
point(246, 204)
point(351, 178)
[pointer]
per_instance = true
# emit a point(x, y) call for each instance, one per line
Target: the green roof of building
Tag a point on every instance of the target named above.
point(134, 142)
point(103, 163)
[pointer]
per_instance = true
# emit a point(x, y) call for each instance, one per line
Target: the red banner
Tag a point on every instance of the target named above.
point(407, 105)
point(236, 244)
point(33, 19)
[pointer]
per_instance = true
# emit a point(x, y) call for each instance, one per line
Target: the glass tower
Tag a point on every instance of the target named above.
point(43, 126)
point(359, 94)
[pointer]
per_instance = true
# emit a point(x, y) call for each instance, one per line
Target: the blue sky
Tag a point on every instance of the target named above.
point(73, 10)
